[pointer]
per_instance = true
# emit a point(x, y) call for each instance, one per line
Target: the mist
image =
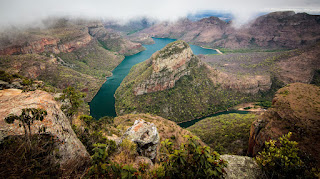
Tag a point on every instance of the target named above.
point(31, 12)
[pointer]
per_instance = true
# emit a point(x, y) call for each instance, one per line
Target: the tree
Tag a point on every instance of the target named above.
point(26, 118)
point(75, 98)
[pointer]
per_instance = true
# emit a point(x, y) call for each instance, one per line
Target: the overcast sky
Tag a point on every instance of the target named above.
point(13, 12)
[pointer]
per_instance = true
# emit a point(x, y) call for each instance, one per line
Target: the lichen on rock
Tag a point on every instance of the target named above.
point(146, 136)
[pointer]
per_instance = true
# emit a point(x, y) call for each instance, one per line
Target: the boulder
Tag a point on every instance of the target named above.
point(72, 152)
point(241, 167)
point(146, 136)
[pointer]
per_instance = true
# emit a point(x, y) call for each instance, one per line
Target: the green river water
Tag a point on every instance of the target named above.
point(103, 103)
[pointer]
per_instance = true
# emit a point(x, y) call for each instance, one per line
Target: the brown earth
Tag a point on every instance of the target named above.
point(72, 152)
point(295, 108)
point(274, 30)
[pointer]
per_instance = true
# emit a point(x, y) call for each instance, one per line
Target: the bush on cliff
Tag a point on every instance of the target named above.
point(280, 159)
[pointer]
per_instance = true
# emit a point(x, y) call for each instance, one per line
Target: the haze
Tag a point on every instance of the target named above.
point(22, 12)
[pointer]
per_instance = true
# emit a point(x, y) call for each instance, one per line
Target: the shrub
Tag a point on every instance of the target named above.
point(280, 159)
point(76, 99)
point(193, 161)
point(26, 119)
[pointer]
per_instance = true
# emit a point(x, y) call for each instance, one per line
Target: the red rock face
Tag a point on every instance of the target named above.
point(295, 109)
point(12, 101)
point(46, 45)
point(274, 30)
point(168, 66)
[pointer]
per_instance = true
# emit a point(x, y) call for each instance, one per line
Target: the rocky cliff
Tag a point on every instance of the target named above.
point(53, 71)
point(46, 44)
point(168, 66)
point(71, 151)
point(274, 30)
point(177, 85)
point(115, 42)
point(295, 108)
point(65, 53)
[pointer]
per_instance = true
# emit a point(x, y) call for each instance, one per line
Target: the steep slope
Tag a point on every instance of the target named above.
point(295, 108)
point(227, 134)
point(65, 53)
point(52, 71)
point(115, 42)
point(274, 30)
point(176, 85)
point(71, 151)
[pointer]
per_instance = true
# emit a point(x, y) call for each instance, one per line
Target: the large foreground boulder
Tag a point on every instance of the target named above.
point(146, 136)
point(71, 151)
point(241, 167)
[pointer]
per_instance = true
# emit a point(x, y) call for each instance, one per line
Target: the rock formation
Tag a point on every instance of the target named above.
point(146, 136)
point(241, 167)
point(71, 151)
point(52, 45)
point(274, 30)
point(177, 85)
point(168, 66)
point(115, 42)
point(295, 108)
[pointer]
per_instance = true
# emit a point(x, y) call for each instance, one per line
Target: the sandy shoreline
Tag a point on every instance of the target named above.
point(213, 49)
point(218, 51)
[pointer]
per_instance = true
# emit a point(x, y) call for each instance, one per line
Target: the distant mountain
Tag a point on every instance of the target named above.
point(205, 14)
point(274, 30)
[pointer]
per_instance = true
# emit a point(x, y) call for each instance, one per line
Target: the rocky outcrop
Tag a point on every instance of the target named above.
point(146, 136)
point(52, 45)
point(301, 66)
point(115, 42)
point(250, 84)
point(241, 167)
point(295, 108)
point(71, 151)
point(168, 66)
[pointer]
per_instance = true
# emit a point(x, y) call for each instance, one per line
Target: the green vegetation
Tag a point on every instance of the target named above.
point(280, 159)
point(92, 132)
point(55, 76)
point(92, 60)
point(74, 97)
point(264, 104)
point(228, 133)
point(191, 160)
point(194, 95)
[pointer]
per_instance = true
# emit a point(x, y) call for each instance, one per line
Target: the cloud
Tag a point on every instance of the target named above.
point(19, 12)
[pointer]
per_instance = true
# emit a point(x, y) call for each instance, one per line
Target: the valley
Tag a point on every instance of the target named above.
point(149, 98)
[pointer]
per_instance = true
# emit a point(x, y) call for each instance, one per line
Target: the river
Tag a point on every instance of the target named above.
point(103, 103)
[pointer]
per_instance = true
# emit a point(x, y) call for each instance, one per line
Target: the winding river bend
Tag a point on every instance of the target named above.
point(103, 103)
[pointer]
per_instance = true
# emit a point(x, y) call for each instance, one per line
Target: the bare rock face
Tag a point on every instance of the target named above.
point(115, 42)
point(241, 167)
point(296, 108)
point(250, 84)
point(72, 152)
point(146, 136)
point(274, 30)
point(52, 45)
point(168, 66)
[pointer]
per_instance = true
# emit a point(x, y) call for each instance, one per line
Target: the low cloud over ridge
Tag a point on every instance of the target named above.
point(22, 12)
